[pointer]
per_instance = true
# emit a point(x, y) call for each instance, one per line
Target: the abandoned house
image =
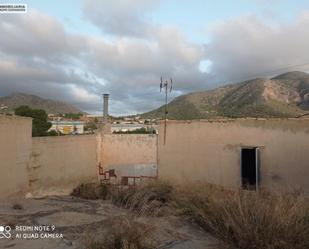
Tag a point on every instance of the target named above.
point(234, 153)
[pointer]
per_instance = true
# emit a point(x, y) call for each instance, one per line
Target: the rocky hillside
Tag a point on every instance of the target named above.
point(50, 106)
point(286, 95)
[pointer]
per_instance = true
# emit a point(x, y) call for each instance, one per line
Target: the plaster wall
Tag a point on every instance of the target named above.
point(132, 155)
point(15, 148)
point(58, 164)
point(210, 151)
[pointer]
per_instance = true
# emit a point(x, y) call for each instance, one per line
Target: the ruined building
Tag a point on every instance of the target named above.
point(259, 153)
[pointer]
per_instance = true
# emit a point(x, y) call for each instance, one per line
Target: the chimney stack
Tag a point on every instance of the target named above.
point(105, 107)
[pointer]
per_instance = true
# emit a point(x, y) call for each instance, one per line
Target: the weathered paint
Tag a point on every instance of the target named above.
point(54, 165)
point(210, 151)
point(194, 150)
point(15, 148)
point(62, 163)
point(130, 154)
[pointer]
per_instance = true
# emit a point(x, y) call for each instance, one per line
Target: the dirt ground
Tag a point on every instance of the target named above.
point(71, 219)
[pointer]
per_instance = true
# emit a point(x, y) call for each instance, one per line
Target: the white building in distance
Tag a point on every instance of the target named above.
point(68, 127)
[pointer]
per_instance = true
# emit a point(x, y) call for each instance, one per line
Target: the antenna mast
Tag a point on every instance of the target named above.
point(167, 86)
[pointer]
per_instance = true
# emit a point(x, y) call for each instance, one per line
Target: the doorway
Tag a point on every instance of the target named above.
point(250, 168)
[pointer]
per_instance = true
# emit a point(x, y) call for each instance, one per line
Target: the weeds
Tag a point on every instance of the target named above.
point(92, 191)
point(243, 219)
point(250, 220)
point(122, 233)
point(148, 199)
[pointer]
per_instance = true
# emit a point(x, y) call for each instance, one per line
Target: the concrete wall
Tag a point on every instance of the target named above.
point(58, 164)
point(210, 151)
point(15, 147)
point(55, 165)
point(129, 155)
point(196, 150)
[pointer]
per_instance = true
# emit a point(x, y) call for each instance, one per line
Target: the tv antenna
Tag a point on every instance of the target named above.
point(167, 85)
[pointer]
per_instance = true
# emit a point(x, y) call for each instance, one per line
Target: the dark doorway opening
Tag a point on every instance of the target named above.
point(249, 168)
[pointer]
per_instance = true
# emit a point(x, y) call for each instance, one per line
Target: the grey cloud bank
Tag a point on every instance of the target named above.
point(38, 56)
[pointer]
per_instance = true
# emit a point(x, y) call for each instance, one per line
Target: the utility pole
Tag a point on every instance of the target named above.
point(167, 86)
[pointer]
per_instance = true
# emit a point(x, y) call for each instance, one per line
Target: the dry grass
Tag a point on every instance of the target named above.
point(148, 199)
point(92, 191)
point(122, 233)
point(250, 220)
point(242, 219)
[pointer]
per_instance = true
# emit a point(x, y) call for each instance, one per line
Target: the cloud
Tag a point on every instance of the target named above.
point(37, 35)
point(121, 17)
point(132, 67)
point(246, 47)
point(134, 60)
point(38, 56)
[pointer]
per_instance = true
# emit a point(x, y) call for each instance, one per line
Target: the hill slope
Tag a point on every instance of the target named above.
point(286, 95)
point(50, 106)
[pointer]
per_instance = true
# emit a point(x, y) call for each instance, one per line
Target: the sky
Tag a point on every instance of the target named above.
point(74, 51)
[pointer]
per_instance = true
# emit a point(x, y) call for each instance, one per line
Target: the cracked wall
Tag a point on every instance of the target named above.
point(55, 165)
point(210, 151)
point(194, 151)
point(133, 157)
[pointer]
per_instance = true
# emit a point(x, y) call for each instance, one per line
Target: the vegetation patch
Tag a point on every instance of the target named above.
point(250, 220)
point(92, 191)
point(40, 124)
point(121, 232)
point(243, 219)
point(148, 199)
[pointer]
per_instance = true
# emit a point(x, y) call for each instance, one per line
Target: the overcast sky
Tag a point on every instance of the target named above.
point(75, 50)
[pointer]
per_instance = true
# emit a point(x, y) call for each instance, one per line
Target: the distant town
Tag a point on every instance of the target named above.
point(83, 123)
point(77, 124)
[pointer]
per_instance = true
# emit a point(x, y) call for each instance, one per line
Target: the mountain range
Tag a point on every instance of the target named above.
point(286, 95)
point(50, 106)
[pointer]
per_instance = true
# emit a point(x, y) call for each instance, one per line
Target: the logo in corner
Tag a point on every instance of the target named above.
point(5, 232)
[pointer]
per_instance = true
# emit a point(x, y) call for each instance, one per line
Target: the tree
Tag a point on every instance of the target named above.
point(73, 116)
point(40, 124)
point(91, 126)
point(54, 133)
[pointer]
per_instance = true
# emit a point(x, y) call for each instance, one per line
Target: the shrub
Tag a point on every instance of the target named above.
point(122, 233)
point(242, 219)
point(91, 191)
point(250, 220)
point(149, 199)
